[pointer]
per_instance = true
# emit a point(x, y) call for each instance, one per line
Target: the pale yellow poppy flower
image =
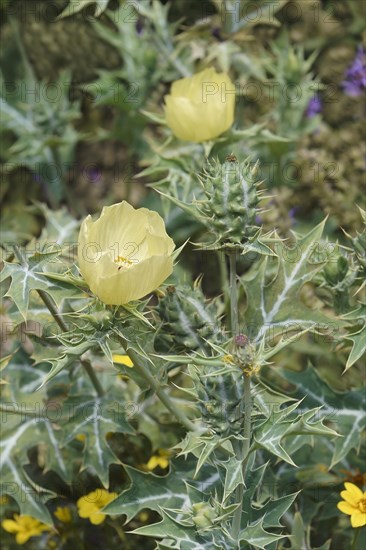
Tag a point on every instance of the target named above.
point(125, 254)
point(201, 107)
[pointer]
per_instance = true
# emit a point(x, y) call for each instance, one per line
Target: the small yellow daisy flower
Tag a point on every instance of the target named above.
point(24, 527)
point(89, 506)
point(161, 458)
point(63, 514)
point(354, 504)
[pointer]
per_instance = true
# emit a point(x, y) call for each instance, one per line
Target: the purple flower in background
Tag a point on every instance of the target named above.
point(355, 75)
point(36, 177)
point(139, 25)
point(314, 107)
point(93, 175)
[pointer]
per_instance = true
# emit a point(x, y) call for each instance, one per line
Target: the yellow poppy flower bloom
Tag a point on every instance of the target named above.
point(201, 107)
point(122, 360)
point(89, 506)
point(125, 254)
point(63, 514)
point(353, 504)
point(161, 458)
point(24, 527)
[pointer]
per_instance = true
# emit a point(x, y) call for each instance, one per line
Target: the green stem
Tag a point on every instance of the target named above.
point(120, 532)
point(164, 398)
point(242, 451)
point(355, 539)
point(243, 455)
point(233, 296)
point(50, 304)
point(11, 410)
point(223, 277)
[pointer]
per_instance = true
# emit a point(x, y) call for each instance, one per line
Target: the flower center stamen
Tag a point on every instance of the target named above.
point(121, 261)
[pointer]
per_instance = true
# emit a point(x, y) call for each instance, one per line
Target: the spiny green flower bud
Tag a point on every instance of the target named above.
point(100, 318)
point(221, 402)
point(188, 320)
point(245, 355)
point(359, 246)
point(203, 515)
point(231, 205)
point(336, 271)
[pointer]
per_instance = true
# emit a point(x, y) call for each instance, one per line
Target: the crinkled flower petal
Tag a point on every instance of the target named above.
point(201, 107)
point(125, 254)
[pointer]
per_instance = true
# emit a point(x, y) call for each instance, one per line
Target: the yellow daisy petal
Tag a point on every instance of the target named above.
point(346, 508)
point(97, 518)
point(354, 491)
point(122, 360)
point(22, 538)
point(358, 519)
point(10, 525)
point(348, 497)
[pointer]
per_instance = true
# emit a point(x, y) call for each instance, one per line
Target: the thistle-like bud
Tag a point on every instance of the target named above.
point(203, 515)
point(221, 402)
point(231, 206)
point(359, 246)
point(335, 272)
point(189, 321)
point(245, 356)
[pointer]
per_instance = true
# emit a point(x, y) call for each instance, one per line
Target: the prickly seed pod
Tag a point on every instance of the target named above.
point(230, 206)
point(188, 320)
point(221, 402)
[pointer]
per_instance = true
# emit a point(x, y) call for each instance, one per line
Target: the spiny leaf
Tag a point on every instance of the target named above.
point(256, 536)
point(15, 482)
point(24, 278)
point(345, 410)
point(358, 338)
point(95, 418)
point(75, 6)
point(148, 491)
point(283, 423)
point(275, 308)
point(171, 491)
point(185, 537)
